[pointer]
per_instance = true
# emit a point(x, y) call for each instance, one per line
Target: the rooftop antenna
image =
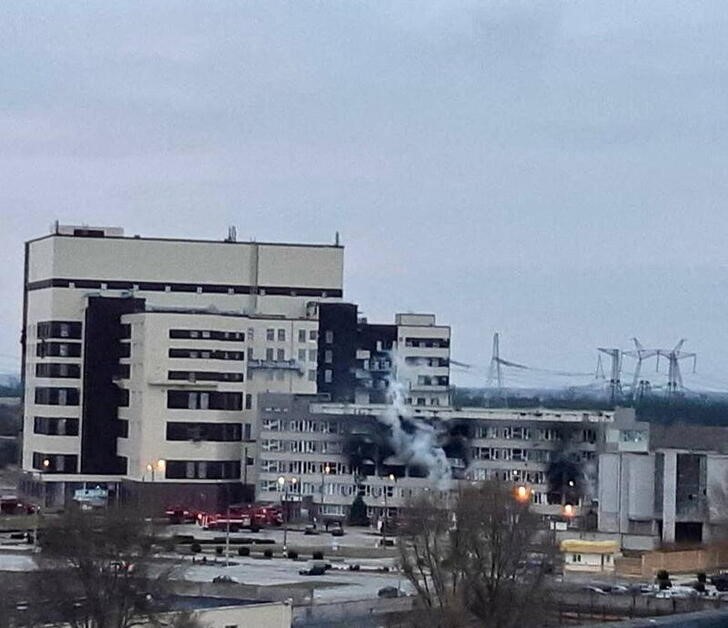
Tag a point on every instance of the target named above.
point(232, 235)
point(615, 384)
point(337, 239)
point(640, 354)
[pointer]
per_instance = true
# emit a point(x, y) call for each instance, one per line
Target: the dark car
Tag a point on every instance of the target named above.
point(720, 581)
point(316, 568)
point(389, 592)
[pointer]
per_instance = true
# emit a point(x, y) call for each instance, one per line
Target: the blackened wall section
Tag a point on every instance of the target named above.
point(101, 397)
point(337, 344)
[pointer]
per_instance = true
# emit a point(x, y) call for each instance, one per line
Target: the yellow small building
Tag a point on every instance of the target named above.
point(592, 556)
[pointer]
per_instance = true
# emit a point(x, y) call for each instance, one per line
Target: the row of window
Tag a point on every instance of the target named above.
point(55, 463)
point(527, 433)
point(58, 349)
point(55, 426)
point(524, 455)
point(433, 380)
point(429, 343)
point(202, 469)
point(300, 425)
point(149, 286)
point(205, 376)
point(433, 362)
point(218, 432)
point(213, 400)
point(57, 396)
point(206, 354)
point(300, 447)
point(305, 467)
point(208, 334)
point(58, 369)
point(59, 329)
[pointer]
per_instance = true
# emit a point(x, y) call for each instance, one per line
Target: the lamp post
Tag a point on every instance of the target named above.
point(46, 467)
point(326, 470)
point(159, 465)
point(391, 478)
point(283, 485)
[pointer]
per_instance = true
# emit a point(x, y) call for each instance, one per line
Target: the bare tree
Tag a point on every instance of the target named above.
point(478, 559)
point(104, 574)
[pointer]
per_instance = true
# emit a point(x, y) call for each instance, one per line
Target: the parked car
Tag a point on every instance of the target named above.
point(310, 530)
point(224, 580)
point(389, 592)
point(314, 568)
point(720, 581)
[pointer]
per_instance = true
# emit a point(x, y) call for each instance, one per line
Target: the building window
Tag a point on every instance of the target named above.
point(301, 335)
point(248, 401)
point(217, 432)
point(186, 400)
point(269, 354)
point(55, 426)
point(270, 335)
point(328, 376)
point(60, 370)
point(59, 329)
point(328, 356)
point(281, 335)
point(313, 335)
point(57, 396)
point(58, 349)
point(281, 355)
point(329, 337)
point(302, 355)
point(312, 375)
point(55, 463)
point(202, 469)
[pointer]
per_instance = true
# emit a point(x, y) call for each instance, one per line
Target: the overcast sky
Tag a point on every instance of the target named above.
point(553, 171)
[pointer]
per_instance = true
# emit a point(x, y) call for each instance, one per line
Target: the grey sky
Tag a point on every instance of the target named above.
point(555, 171)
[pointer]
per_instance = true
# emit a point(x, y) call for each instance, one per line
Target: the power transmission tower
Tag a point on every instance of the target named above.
point(674, 376)
point(640, 354)
point(615, 383)
point(495, 371)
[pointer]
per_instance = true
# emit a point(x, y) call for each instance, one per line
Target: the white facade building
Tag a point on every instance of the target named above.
point(131, 344)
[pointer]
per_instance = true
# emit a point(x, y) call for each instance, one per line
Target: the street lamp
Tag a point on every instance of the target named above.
point(159, 465)
point(391, 478)
point(523, 493)
point(284, 487)
point(326, 470)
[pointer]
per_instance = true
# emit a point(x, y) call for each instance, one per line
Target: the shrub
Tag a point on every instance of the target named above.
point(243, 551)
point(663, 579)
point(268, 553)
point(292, 554)
point(218, 550)
point(702, 577)
point(196, 548)
point(318, 555)
point(358, 512)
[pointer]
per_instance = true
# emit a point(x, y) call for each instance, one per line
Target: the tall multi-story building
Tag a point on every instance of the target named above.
point(143, 357)
point(359, 359)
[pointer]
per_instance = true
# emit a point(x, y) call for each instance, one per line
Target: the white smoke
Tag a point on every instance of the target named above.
point(419, 444)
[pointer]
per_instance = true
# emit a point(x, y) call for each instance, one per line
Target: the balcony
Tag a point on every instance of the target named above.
point(286, 365)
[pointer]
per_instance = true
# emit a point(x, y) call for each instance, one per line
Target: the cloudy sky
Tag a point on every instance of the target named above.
point(553, 171)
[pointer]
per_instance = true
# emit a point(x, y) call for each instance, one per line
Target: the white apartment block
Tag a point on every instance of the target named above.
point(308, 442)
point(143, 357)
